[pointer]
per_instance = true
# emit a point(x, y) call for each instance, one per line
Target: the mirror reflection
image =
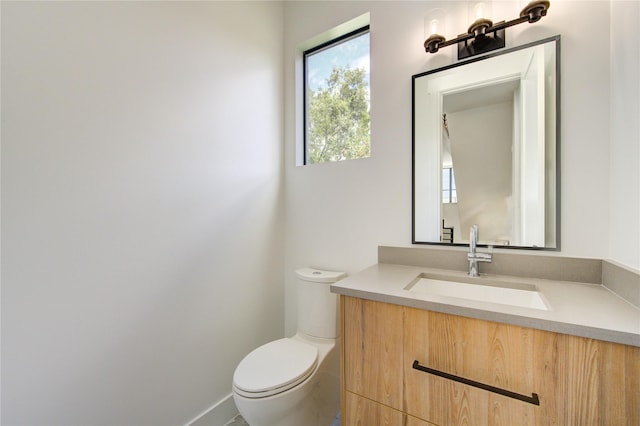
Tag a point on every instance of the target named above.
point(489, 126)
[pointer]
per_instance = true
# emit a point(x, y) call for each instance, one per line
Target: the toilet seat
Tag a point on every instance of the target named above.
point(274, 368)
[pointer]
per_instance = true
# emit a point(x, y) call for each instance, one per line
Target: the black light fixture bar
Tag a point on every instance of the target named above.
point(484, 34)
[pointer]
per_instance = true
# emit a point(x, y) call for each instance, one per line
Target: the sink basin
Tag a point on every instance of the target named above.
point(479, 289)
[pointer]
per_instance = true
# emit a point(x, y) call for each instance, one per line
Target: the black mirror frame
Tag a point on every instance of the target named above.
point(556, 39)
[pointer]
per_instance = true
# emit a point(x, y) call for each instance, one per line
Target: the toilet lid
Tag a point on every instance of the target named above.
point(275, 367)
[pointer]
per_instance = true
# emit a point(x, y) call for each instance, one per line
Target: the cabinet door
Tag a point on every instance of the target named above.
point(600, 382)
point(372, 350)
point(515, 359)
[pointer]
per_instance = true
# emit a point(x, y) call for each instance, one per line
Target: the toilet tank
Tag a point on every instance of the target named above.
point(317, 306)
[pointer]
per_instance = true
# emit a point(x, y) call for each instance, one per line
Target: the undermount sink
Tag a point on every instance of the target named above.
point(480, 289)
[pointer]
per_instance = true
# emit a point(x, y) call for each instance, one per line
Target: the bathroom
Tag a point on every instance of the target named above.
point(153, 212)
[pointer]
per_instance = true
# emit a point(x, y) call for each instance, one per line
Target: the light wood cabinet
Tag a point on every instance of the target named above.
point(373, 359)
point(600, 382)
point(576, 381)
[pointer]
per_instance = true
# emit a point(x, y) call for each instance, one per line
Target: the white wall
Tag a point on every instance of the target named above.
point(142, 236)
point(337, 214)
point(625, 133)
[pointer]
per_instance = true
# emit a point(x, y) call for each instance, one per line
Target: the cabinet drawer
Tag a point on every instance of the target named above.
point(518, 361)
point(364, 412)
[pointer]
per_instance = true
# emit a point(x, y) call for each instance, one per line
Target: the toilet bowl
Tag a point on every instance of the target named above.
point(295, 381)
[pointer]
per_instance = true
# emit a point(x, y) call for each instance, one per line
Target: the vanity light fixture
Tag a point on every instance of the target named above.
point(483, 35)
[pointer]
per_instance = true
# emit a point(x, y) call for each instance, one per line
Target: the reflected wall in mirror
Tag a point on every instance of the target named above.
point(486, 149)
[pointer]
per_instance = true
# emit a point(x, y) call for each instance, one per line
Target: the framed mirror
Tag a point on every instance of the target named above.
point(486, 149)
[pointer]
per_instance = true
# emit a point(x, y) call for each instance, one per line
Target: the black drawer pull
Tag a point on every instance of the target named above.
point(533, 399)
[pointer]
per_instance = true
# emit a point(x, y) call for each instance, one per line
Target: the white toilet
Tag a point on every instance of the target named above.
point(295, 381)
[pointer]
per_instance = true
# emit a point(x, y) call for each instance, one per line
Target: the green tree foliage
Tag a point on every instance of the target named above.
point(338, 117)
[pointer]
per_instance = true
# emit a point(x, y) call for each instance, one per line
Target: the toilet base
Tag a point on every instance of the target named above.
point(315, 402)
point(317, 407)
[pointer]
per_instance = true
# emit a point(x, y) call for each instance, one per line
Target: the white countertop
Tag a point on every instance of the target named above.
point(586, 310)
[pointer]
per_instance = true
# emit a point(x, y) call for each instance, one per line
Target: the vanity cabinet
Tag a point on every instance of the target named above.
point(526, 376)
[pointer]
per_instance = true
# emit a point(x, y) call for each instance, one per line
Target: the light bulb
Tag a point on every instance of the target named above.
point(434, 25)
point(479, 10)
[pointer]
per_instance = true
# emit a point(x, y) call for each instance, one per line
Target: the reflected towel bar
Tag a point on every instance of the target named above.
point(533, 399)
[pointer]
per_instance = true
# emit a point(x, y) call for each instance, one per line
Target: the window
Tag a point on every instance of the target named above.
point(449, 193)
point(336, 103)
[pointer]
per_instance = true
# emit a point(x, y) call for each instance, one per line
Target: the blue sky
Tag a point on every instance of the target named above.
point(353, 53)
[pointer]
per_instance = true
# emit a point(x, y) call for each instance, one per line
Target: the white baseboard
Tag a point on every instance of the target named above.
point(219, 414)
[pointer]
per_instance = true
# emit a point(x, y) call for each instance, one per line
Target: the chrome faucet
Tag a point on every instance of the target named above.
point(473, 256)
